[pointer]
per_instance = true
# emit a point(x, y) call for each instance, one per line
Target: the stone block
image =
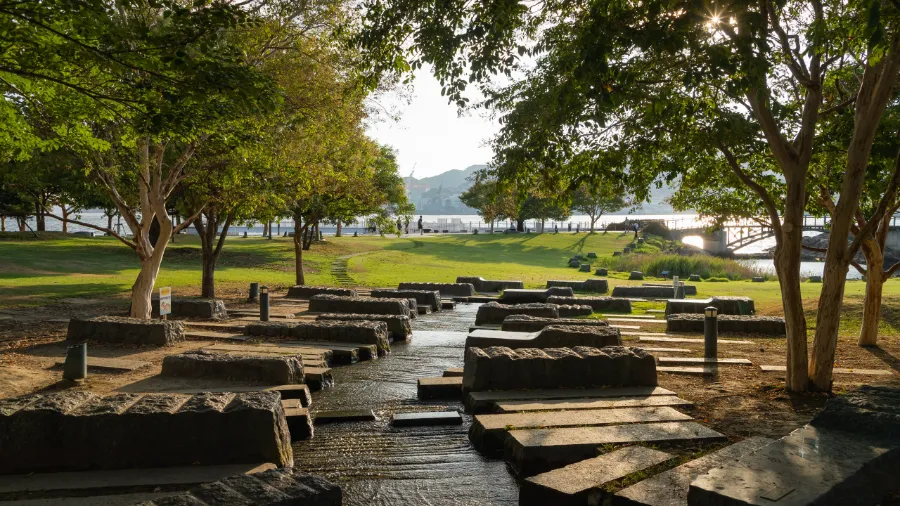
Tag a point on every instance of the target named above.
point(601, 272)
point(270, 370)
point(344, 416)
point(556, 336)
point(575, 263)
point(534, 296)
point(585, 268)
point(588, 285)
point(122, 330)
point(481, 402)
point(79, 430)
point(299, 422)
point(567, 311)
point(655, 291)
point(430, 298)
point(489, 285)
point(815, 279)
point(598, 304)
point(693, 322)
point(526, 323)
point(358, 305)
point(592, 255)
point(428, 418)
point(340, 331)
point(398, 325)
point(503, 368)
point(635, 275)
point(495, 312)
point(758, 279)
point(590, 403)
point(306, 292)
point(694, 277)
point(690, 290)
point(449, 387)
point(725, 305)
point(275, 487)
point(192, 308)
point(617, 253)
point(446, 289)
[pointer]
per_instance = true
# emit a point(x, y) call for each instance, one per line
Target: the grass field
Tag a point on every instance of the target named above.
point(37, 272)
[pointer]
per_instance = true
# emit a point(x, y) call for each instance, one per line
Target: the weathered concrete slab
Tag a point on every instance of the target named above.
point(309, 355)
point(192, 308)
point(318, 377)
point(534, 296)
point(306, 292)
point(122, 330)
point(344, 416)
point(598, 304)
point(588, 285)
point(707, 370)
point(429, 298)
point(653, 291)
point(555, 336)
point(488, 431)
point(427, 418)
point(703, 361)
point(502, 368)
point(526, 323)
point(440, 388)
point(836, 370)
point(272, 370)
point(357, 305)
point(299, 423)
point(446, 289)
point(538, 450)
point(298, 392)
point(398, 325)
point(569, 311)
point(78, 430)
point(725, 305)
point(219, 336)
point(652, 339)
point(448, 304)
point(494, 312)
point(602, 403)
point(666, 350)
point(276, 487)
point(642, 321)
point(481, 402)
point(489, 285)
point(575, 484)
point(689, 290)
point(455, 371)
point(692, 322)
point(671, 487)
point(362, 331)
point(111, 364)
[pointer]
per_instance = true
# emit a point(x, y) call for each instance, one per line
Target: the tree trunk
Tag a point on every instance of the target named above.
point(520, 225)
point(593, 221)
point(65, 216)
point(868, 332)
point(142, 290)
point(339, 229)
point(2, 223)
point(21, 224)
point(787, 266)
point(265, 229)
point(109, 222)
point(39, 222)
point(298, 251)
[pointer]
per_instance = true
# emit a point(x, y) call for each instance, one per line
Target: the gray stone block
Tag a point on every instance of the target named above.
point(602, 272)
point(306, 292)
point(446, 290)
point(694, 277)
point(119, 329)
point(635, 274)
point(758, 279)
point(526, 323)
point(585, 268)
point(567, 311)
point(690, 290)
point(427, 419)
point(341, 331)
point(815, 279)
point(725, 305)
point(78, 430)
point(489, 285)
point(269, 370)
point(657, 291)
point(555, 336)
point(515, 296)
point(430, 298)
point(358, 305)
point(588, 285)
point(575, 263)
point(598, 304)
point(398, 325)
point(494, 312)
point(693, 322)
point(592, 255)
point(192, 308)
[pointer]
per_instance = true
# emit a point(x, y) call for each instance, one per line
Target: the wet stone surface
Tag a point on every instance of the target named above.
point(377, 464)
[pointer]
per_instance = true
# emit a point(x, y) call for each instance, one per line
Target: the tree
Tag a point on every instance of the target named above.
point(643, 79)
point(598, 198)
point(482, 196)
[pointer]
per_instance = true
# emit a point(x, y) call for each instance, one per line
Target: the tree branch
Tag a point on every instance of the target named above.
point(95, 227)
point(756, 187)
point(887, 200)
point(187, 222)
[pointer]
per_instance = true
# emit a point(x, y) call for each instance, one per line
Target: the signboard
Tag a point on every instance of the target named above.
point(165, 301)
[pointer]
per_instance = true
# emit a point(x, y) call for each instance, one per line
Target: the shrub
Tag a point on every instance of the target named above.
point(709, 268)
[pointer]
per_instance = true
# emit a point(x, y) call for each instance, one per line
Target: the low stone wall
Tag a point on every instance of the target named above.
point(526, 323)
point(306, 292)
point(568, 311)
point(534, 296)
point(358, 305)
point(279, 487)
point(689, 290)
point(398, 326)
point(588, 285)
point(78, 430)
point(725, 305)
point(192, 308)
point(447, 290)
point(502, 368)
point(553, 336)
point(598, 304)
point(494, 312)
point(123, 330)
point(489, 285)
point(269, 370)
point(430, 298)
point(657, 292)
point(693, 322)
point(357, 332)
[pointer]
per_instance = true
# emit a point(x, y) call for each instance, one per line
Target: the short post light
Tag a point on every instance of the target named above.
point(254, 292)
point(679, 290)
point(711, 332)
point(75, 366)
point(264, 304)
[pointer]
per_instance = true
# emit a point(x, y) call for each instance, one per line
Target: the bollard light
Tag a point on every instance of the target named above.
point(710, 333)
point(75, 366)
point(712, 312)
point(679, 290)
point(254, 292)
point(264, 304)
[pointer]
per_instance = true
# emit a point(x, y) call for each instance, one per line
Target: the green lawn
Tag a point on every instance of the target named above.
point(35, 272)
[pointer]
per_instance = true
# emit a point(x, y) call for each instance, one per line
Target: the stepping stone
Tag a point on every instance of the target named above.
point(635, 320)
point(671, 487)
point(575, 484)
point(488, 431)
point(427, 418)
point(700, 371)
point(204, 334)
point(572, 404)
point(836, 370)
point(481, 402)
point(629, 317)
point(440, 388)
point(666, 350)
point(645, 339)
point(299, 423)
point(703, 361)
point(318, 377)
point(352, 415)
point(339, 354)
point(627, 327)
point(110, 364)
point(448, 304)
point(456, 371)
point(535, 451)
point(311, 358)
point(487, 326)
point(656, 311)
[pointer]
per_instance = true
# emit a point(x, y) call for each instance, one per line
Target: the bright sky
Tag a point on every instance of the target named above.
point(430, 137)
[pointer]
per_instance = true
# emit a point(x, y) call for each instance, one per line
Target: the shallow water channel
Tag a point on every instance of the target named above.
point(376, 464)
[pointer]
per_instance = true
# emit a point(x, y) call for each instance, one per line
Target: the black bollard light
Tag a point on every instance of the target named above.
point(711, 333)
point(75, 367)
point(254, 292)
point(264, 304)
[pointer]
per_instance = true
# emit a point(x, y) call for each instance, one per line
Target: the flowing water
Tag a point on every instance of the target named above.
point(377, 464)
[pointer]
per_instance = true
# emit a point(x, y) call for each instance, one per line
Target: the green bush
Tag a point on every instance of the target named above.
point(709, 268)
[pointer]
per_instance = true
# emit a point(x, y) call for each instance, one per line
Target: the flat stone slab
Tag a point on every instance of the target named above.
point(223, 336)
point(700, 360)
point(446, 289)
point(448, 304)
point(836, 370)
point(345, 332)
point(725, 305)
point(603, 403)
point(309, 355)
point(480, 402)
point(299, 422)
point(429, 298)
point(318, 377)
point(598, 304)
point(305, 292)
point(398, 325)
point(530, 296)
point(124, 430)
point(652, 339)
point(111, 364)
point(456, 371)
point(526, 323)
point(488, 431)
point(490, 285)
point(671, 487)
point(574, 484)
point(666, 350)
point(554, 336)
point(588, 285)
point(692, 322)
point(636, 320)
point(269, 488)
point(449, 387)
point(192, 308)
point(122, 330)
point(700, 371)
point(298, 392)
point(495, 312)
point(272, 369)
point(537, 450)
point(427, 418)
point(343, 416)
point(358, 305)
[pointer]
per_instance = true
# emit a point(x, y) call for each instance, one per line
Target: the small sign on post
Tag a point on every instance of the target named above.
point(165, 301)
